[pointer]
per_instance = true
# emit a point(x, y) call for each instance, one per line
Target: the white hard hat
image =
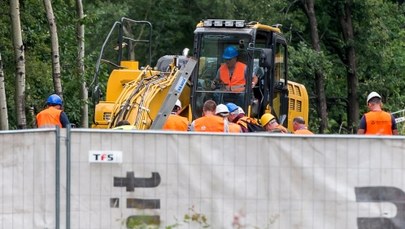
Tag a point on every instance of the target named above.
point(178, 103)
point(373, 95)
point(240, 110)
point(221, 108)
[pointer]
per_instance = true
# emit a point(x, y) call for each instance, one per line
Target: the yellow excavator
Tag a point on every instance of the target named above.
point(144, 96)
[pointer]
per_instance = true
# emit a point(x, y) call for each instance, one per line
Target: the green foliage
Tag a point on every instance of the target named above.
point(378, 30)
point(383, 53)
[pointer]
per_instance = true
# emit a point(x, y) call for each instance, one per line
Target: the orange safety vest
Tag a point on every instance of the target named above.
point(303, 131)
point(176, 122)
point(235, 82)
point(243, 123)
point(378, 122)
point(49, 117)
point(210, 123)
point(234, 128)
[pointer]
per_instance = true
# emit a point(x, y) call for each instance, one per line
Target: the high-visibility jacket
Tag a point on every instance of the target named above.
point(378, 122)
point(243, 123)
point(211, 123)
point(234, 128)
point(176, 122)
point(235, 82)
point(303, 131)
point(49, 117)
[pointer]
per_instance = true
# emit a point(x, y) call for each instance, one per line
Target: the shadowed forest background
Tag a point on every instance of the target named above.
point(340, 50)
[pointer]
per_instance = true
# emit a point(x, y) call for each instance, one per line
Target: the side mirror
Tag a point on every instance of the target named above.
point(96, 94)
point(265, 58)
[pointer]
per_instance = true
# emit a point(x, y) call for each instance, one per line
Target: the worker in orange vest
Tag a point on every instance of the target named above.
point(229, 127)
point(270, 124)
point(232, 75)
point(299, 126)
point(175, 121)
point(53, 115)
point(237, 115)
point(377, 121)
point(209, 122)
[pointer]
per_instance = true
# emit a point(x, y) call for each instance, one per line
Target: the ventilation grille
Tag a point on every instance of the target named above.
point(292, 104)
point(299, 105)
point(297, 91)
point(290, 89)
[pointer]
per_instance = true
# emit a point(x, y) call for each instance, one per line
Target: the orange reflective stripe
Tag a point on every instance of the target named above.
point(378, 122)
point(237, 81)
point(49, 117)
point(176, 122)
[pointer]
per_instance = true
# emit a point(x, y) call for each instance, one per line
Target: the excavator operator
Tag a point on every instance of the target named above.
point(232, 75)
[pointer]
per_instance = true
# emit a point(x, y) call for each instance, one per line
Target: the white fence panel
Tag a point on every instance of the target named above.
point(120, 179)
point(236, 181)
point(27, 174)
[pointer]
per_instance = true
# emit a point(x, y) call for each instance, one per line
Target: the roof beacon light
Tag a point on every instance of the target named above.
point(218, 23)
point(229, 23)
point(224, 23)
point(208, 23)
point(239, 23)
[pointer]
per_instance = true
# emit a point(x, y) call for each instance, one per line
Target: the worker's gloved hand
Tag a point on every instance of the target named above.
point(214, 84)
point(217, 85)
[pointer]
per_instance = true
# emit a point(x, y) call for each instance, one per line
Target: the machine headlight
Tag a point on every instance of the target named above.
point(107, 116)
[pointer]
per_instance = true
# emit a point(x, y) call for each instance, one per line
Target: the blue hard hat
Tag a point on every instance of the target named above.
point(231, 107)
point(230, 52)
point(54, 99)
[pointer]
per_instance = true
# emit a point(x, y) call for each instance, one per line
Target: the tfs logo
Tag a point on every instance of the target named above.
point(103, 157)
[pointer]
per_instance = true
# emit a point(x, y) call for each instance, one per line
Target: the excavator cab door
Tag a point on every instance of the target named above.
point(270, 66)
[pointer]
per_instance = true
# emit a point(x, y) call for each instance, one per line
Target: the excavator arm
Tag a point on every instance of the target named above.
point(147, 101)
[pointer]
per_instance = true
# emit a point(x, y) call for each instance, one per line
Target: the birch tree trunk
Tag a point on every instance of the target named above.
point(309, 9)
point(3, 100)
point(80, 66)
point(19, 63)
point(57, 84)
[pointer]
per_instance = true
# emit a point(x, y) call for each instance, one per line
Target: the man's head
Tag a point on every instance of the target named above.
point(230, 54)
point(233, 111)
point(241, 111)
point(54, 100)
point(373, 97)
point(222, 110)
point(374, 101)
point(209, 107)
point(298, 122)
point(268, 121)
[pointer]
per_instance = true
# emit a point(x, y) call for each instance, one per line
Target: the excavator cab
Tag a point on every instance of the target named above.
point(263, 50)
